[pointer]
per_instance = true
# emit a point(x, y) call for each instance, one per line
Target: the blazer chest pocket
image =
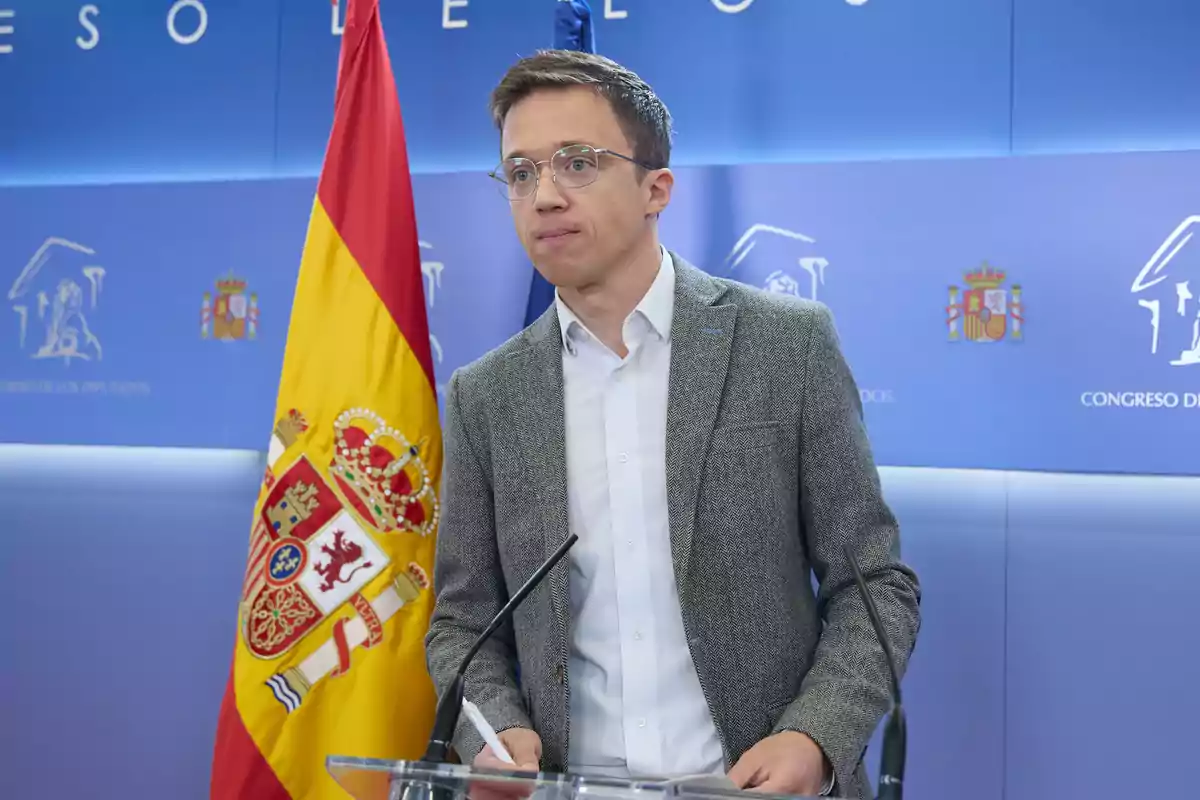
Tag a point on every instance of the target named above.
point(742, 479)
point(749, 436)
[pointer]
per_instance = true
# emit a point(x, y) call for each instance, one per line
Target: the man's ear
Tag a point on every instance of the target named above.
point(660, 182)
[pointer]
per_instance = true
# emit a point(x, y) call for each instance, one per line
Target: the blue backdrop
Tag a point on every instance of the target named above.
point(116, 109)
point(1086, 367)
point(871, 153)
point(160, 89)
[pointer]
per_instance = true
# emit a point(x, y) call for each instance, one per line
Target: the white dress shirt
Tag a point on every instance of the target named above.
point(637, 708)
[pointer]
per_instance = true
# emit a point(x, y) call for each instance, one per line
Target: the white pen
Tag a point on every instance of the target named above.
point(484, 728)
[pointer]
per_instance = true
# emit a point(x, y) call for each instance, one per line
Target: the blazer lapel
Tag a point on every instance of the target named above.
point(537, 387)
point(701, 338)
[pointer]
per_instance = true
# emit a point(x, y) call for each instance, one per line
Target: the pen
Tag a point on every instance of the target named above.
point(484, 728)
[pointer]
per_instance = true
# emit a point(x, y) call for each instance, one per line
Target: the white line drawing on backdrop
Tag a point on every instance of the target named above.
point(337, 24)
point(7, 30)
point(431, 271)
point(60, 305)
point(781, 281)
point(1178, 300)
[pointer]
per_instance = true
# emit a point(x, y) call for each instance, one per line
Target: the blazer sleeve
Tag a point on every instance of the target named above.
point(469, 587)
point(848, 689)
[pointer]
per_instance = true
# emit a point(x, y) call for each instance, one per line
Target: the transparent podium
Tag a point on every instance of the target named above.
point(372, 779)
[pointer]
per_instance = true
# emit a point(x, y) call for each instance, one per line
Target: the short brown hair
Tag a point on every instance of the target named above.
point(643, 117)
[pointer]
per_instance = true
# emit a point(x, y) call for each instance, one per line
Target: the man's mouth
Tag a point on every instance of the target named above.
point(556, 234)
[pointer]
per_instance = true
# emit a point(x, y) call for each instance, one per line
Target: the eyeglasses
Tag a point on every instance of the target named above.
point(573, 167)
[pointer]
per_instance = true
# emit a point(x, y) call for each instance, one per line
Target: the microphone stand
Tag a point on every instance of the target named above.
point(895, 734)
point(449, 707)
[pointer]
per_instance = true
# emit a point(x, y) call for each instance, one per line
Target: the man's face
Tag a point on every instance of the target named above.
point(576, 237)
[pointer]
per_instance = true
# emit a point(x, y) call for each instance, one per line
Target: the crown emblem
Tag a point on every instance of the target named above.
point(382, 475)
point(231, 285)
point(985, 277)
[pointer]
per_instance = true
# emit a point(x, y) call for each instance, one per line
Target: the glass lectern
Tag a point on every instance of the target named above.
point(372, 779)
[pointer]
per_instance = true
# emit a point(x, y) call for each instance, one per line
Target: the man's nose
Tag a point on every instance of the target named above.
point(546, 193)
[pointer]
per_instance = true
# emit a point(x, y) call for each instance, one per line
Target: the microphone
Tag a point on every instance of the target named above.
point(891, 762)
point(449, 707)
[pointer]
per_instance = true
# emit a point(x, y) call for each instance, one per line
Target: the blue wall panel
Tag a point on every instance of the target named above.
point(116, 96)
point(1102, 635)
point(881, 243)
point(126, 571)
point(1106, 75)
point(136, 103)
point(150, 378)
point(253, 95)
point(953, 528)
point(802, 80)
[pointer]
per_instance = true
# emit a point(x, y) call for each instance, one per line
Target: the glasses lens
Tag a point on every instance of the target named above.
point(519, 176)
point(576, 166)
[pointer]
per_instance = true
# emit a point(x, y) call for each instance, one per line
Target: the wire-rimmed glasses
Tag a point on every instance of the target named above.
point(572, 167)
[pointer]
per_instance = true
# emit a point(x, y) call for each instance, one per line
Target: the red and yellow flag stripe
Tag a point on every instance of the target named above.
point(330, 656)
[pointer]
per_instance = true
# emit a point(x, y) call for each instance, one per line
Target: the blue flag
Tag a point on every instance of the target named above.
point(573, 26)
point(572, 31)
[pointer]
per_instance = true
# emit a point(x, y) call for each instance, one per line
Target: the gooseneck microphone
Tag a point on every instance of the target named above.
point(891, 762)
point(450, 704)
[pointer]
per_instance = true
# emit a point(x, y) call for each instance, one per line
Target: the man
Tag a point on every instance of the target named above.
point(704, 440)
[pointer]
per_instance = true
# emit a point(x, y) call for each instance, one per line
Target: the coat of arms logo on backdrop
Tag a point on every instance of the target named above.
point(988, 310)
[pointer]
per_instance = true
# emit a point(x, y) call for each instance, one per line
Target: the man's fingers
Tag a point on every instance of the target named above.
point(487, 758)
point(769, 786)
point(526, 759)
point(745, 773)
point(789, 783)
point(525, 747)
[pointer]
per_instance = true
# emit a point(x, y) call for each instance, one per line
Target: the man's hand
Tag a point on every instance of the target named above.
point(786, 763)
point(524, 745)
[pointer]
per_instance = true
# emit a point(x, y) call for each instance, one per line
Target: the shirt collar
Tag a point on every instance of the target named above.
point(657, 306)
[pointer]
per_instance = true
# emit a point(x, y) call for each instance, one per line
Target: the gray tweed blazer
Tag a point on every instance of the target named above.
point(769, 473)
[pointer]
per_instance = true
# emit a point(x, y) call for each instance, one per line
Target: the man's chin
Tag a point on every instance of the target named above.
point(560, 272)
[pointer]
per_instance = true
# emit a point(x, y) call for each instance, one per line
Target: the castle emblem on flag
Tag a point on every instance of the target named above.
point(987, 310)
point(316, 545)
point(232, 314)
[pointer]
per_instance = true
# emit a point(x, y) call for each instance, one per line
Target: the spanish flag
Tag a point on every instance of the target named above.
point(330, 657)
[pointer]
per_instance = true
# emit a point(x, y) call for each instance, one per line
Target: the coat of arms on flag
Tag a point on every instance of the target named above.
point(316, 545)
